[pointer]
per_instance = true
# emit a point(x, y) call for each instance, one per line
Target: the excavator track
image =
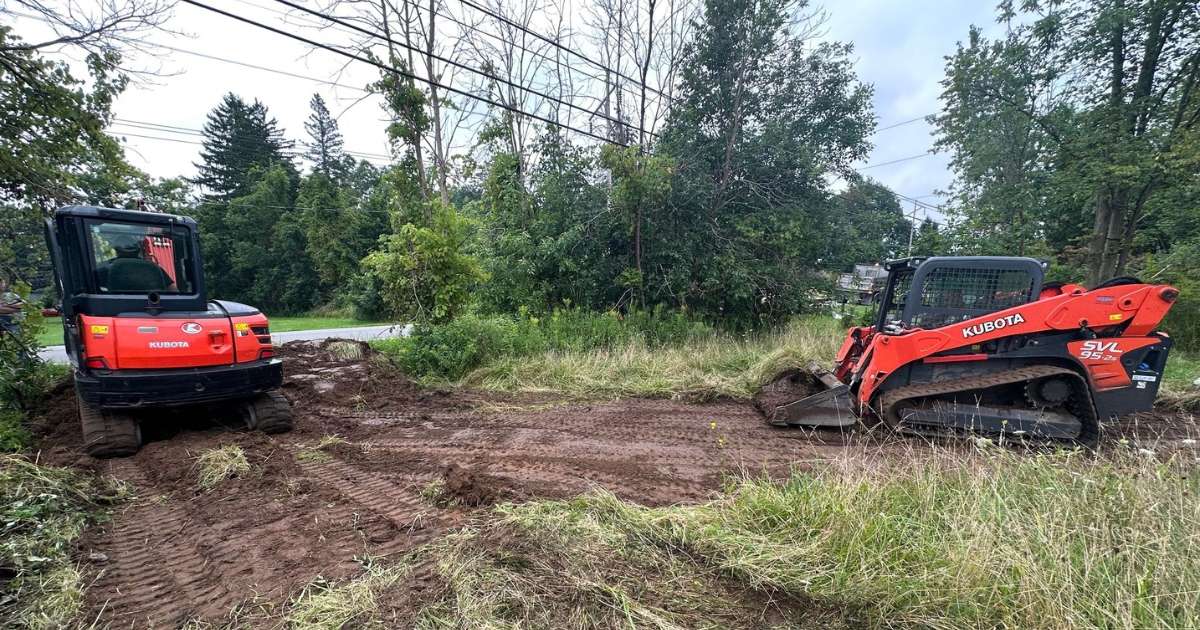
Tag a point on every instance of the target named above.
point(922, 408)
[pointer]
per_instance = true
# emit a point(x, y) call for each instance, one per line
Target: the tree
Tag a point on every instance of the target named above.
point(1073, 115)
point(425, 273)
point(325, 149)
point(329, 218)
point(867, 226)
point(241, 141)
point(53, 149)
point(763, 115)
point(259, 255)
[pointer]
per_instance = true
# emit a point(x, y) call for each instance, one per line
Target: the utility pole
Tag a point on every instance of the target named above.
point(912, 227)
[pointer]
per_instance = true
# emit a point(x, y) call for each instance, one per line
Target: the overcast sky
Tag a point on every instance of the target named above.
point(899, 48)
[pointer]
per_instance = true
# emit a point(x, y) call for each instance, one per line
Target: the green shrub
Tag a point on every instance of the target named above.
point(424, 272)
point(13, 434)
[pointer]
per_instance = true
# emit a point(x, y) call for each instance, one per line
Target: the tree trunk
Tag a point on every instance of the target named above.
point(418, 152)
point(439, 154)
point(1109, 234)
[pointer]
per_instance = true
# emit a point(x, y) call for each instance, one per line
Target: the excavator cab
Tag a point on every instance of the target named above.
point(140, 330)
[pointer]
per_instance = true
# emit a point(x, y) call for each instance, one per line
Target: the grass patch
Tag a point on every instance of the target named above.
point(319, 454)
point(52, 333)
point(604, 355)
point(948, 540)
point(1183, 368)
point(216, 465)
point(447, 352)
point(322, 605)
point(43, 510)
point(715, 365)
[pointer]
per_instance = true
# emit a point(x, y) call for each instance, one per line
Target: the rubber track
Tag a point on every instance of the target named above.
point(891, 399)
point(108, 433)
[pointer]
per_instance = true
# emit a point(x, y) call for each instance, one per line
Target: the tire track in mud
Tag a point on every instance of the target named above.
point(155, 575)
point(414, 520)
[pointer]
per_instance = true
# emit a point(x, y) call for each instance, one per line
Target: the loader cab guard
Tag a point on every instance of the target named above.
point(934, 292)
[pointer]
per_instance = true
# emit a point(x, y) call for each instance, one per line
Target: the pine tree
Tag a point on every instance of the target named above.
point(241, 142)
point(325, 150)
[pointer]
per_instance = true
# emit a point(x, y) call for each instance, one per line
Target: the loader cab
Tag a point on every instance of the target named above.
point(938, 291)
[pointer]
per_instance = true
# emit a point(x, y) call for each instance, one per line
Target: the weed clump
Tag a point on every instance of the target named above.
point(219, 464)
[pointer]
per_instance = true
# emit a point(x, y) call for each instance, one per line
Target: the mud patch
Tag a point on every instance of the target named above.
point(473, 488)
point(175, 553)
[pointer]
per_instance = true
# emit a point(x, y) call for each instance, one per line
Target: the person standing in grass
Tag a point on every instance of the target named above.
point(11, 312)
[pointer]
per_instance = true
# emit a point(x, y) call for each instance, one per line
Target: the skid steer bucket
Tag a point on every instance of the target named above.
point(830, 408)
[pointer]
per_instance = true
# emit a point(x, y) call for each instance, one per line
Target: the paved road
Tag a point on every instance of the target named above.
point(58, 354)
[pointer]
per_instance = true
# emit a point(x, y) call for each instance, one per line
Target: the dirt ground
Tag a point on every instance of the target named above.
point(307, 511)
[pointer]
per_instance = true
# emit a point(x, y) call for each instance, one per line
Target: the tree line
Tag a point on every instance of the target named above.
point(727, 188)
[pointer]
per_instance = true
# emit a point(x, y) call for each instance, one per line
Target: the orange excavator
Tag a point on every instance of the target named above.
point(984, 345)
point(142, 334)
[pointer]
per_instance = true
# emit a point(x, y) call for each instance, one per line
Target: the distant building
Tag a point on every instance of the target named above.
point(862, 284)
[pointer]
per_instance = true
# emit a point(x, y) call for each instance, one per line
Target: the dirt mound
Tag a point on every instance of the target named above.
point(474, 488)
point(787, 386)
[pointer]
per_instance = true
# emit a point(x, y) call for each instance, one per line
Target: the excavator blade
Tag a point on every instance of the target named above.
point(831, 408)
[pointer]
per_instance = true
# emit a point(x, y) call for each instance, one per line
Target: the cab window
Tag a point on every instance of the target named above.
point(136, 258)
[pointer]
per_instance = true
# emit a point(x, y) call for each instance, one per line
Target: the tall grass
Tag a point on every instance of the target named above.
point(1006, 540)
point(719, 364)
point(995, 539)
point(603, 355)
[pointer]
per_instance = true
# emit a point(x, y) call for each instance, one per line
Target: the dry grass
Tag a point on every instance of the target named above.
point(319, 453)
point(710, 367)
point(946, 539)
point(43, 510)
point(322, 605)
point(216, 465)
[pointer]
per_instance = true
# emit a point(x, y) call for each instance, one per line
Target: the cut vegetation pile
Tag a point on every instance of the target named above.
point(43, 511)
point(950, 541)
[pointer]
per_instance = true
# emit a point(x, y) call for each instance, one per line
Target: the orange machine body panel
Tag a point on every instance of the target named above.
point(1140, 306)
point(151, 343)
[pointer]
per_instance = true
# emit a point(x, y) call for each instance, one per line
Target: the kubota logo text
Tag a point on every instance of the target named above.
point(995, 324)
point(166, 345)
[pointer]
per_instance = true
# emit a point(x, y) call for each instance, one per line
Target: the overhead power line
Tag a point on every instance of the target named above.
point(570, 51)
point(399, 71)
point(417, 6)
point(262, 68)
point(902, 123)
point(288, 152)
point(384, 37)
point(192, 131)
point(235, 62)
point(897, 161)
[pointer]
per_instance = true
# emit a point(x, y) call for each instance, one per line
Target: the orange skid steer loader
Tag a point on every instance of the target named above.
point(982, 345)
